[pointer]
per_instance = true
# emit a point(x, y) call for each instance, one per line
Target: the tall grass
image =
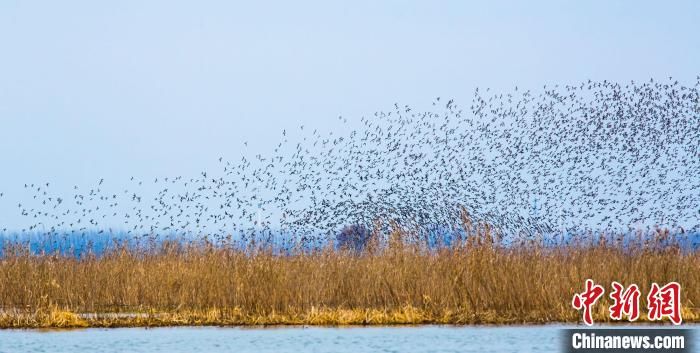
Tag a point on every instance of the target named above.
point(393, 281)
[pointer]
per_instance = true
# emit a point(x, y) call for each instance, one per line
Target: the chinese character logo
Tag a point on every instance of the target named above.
point(624, 302)
point(661, 302)
point(665, 302)
point(586, 300)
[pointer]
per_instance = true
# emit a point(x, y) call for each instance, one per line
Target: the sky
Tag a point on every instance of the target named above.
point(92, 90)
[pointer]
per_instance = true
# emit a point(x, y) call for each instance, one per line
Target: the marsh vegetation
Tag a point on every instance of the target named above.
point(392, 279)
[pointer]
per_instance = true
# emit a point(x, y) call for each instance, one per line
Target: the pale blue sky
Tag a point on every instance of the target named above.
point(150, 88)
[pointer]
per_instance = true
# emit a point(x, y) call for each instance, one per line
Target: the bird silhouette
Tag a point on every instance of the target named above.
point(566, 158)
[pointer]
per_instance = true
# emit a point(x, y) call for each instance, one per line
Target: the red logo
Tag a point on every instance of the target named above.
point(624, 302)
point(586, 300)
point(661, 302)
point(665, 301)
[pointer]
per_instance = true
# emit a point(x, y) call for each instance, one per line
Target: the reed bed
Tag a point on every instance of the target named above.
point(476, 281)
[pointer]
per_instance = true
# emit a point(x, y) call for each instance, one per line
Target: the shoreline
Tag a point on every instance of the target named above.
point(407, 316)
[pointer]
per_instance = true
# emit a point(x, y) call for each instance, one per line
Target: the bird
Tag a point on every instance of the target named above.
point(566, 158)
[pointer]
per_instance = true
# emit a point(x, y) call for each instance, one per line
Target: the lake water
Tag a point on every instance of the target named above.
point(289, 339)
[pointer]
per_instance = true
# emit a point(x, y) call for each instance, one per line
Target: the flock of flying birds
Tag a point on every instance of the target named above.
point(589, 156)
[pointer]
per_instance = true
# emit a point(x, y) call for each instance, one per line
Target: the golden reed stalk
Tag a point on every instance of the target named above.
point(474, 282)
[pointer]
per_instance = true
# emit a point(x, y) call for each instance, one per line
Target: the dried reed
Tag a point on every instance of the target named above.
point(399, 282)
